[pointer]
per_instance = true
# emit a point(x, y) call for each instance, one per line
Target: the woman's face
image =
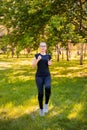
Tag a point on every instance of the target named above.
point(43, 47)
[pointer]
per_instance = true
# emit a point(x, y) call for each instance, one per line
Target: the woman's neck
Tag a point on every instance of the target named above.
point(43, 53)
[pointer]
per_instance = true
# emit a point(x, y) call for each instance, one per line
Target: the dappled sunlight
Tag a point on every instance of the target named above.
point(54, 111)
point(5, 65)
point(25, 62)
point(19, 99)
point(25, 78)
point(22, 63)
point(10, 110)
point(14, 63)
point(71, 71)
point(73, 68)
point(13, 78)
point(75, 111)
point(21, 66)
point(12, 73)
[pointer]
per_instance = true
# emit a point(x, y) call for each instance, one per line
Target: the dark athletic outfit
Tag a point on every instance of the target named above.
point(43, 79)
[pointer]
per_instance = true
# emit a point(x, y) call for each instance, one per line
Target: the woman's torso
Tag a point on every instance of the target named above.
point(42, 66)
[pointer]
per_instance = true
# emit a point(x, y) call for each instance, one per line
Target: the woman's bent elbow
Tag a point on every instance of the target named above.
point(33, 65)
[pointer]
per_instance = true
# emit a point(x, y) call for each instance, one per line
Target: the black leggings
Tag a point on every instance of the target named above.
point(41, 83)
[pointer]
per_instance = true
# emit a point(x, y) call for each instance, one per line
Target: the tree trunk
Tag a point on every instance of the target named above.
point(62, 52)
point(18, 53)
point(80, 31)
point(58, 58)
point(67, 53)
point(85, 49)
point(12, 52)
point(28, 51)
point(58, 53)
point(81, 54)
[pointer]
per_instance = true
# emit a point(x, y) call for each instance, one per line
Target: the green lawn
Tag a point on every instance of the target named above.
point(18, 96)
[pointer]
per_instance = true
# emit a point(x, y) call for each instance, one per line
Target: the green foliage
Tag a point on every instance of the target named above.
point(78, 16)
point(29, 22)
point(60, 30)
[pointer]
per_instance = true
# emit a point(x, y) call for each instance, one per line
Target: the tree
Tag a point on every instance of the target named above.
point(28, 22)
point(78, 16)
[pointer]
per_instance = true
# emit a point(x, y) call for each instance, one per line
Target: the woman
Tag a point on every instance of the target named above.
point(43, 78)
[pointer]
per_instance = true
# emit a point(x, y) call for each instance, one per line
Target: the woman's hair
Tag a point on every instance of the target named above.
point(43, 43)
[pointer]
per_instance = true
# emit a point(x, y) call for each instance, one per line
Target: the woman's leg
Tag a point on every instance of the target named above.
point(47, 95)
point(39, 83)
point(47, 88)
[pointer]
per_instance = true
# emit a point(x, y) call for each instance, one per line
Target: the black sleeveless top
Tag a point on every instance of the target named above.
point(42, 65)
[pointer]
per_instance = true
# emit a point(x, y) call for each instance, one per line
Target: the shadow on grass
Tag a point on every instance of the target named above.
point(16, 85)
point(68, 112)
point(69, 99)
point(35, 122)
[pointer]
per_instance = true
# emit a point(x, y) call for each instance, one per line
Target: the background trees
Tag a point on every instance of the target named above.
point(54, 21)
point(79, 18)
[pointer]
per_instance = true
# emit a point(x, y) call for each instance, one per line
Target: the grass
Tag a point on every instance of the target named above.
point(18, 96)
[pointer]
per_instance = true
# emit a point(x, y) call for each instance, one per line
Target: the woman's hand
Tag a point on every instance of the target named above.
point(39, 58)
point(50, 62)
point(35, 61)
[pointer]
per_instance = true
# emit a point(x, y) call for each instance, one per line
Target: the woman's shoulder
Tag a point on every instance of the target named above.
point(49, 56)
point(37, 54)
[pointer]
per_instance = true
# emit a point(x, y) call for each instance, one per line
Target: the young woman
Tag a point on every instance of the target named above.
point(43, 78)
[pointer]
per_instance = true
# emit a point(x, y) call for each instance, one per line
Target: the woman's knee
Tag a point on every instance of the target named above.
point(48, 90)
point(40, 96)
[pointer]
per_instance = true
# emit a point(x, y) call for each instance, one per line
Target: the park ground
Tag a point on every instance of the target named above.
point(18, 96)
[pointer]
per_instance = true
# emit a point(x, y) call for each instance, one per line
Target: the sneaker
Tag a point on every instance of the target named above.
point(41, 112)
point(45, 108)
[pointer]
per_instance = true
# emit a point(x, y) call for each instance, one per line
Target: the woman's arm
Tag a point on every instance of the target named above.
point(35, 61)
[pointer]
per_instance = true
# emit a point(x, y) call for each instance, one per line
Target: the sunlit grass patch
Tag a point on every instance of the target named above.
point(69, 69)
point(76, 110)
point(10, 110)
